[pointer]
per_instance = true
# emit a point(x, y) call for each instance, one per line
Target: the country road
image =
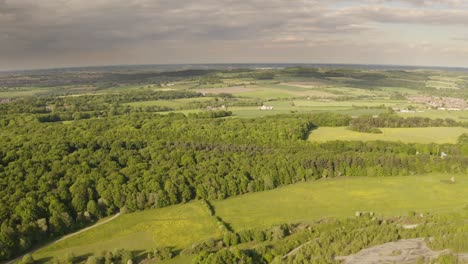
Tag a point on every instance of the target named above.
point(63, 238)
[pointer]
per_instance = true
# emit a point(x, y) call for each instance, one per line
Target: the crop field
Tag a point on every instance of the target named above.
point(295, 90)
point(22, 92)
point(353, 108)
point(445, 82)
point(402, 90)
point(231, 90)
point(176, 103)
point(437, 135)
point(433, 114)
point(182, 225)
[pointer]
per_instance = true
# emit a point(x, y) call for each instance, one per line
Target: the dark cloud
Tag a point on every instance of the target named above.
point(72, 32)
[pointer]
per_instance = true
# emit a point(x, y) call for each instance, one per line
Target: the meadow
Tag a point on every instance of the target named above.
point(342, 197)
point(437, 135)
point(443, 114)
point(180, 226)
point(175, 104)
point(176, 226)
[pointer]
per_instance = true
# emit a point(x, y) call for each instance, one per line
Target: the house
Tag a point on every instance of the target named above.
point(266, 107)
point(443, 155)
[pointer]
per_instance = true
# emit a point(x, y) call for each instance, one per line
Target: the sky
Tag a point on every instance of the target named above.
point(67, 33)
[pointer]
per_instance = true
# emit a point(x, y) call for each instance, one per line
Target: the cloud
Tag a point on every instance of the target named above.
point(384, 14)
point(50, 32)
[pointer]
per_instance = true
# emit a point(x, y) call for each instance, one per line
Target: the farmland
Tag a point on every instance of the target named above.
point(439, 135)
point(149, 229)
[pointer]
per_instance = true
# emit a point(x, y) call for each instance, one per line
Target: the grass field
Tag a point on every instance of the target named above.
point(176, 226)
point(353, 108)
point(176, 103)
point(342, 197)
point(433, 114)
point(181, 225)
point(437, 135)
point(26, 92)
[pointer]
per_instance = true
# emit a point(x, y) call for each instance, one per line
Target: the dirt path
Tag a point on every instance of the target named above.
point(63, 238)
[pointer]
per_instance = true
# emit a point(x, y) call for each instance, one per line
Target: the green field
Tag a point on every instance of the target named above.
point(176, 226)
point(437, 135)
point(342, 197)
point(433, 114)
point(176, 103)
point(182, 225)
point(354, 108)
point(23, 92)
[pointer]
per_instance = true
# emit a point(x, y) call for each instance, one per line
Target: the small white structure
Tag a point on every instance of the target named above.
point(266, 107)
point(443, 155)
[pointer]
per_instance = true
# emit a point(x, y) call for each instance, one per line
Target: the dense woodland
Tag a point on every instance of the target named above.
point(370, 124)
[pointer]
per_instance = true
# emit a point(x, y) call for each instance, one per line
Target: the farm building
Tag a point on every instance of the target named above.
point(266, 107)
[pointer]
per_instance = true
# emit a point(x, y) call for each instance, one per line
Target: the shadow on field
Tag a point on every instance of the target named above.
point(43, 260)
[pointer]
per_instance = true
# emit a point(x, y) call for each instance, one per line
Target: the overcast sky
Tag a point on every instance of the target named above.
point(56, 33)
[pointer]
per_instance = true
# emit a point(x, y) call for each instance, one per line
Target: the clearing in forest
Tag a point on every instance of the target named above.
point(425, 135)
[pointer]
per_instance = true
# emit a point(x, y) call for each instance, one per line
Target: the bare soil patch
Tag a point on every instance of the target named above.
point(402, 251)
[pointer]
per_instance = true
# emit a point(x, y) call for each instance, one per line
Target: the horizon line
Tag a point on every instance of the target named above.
point(233, 63)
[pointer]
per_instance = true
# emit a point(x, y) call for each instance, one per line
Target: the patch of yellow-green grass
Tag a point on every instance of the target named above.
point(23, 93)
point(399, 90)
point(176, 103)
point(433, 114)
point(442, 85)
point(301, 106)
point(444, 82)
point(349, 91)
point(176, 226)
point(342, 197)
point(267, 93)
point(437, 135)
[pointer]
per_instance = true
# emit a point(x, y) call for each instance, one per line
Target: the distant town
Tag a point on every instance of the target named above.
point(441, 103)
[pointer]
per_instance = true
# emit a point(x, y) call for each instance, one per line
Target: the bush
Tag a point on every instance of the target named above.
point(92, 260)
point(27, 259)
point(230, 239)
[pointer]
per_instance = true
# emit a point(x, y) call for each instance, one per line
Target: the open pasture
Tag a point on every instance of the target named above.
point(426, 135)
point(433, 114)
point(23, 92)
point(287, 106)
point(176, 226)
point(231, 90)
point(342, 197)
point(176, 103)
